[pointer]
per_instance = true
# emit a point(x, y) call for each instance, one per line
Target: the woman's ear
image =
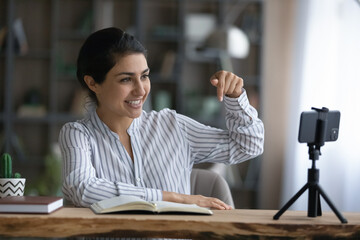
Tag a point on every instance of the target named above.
point(90, 82)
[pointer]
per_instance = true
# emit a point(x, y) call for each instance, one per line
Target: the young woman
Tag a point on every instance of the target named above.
point(119, 149)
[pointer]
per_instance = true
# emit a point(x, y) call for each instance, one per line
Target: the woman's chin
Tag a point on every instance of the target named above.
point(135, 114)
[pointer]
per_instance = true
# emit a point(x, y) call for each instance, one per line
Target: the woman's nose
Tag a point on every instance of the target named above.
point(139, 88)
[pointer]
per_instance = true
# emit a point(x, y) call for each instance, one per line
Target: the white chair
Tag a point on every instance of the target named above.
point(210, 184)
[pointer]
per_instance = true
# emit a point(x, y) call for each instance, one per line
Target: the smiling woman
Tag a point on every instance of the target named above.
point(119, 149)
point(123, 92)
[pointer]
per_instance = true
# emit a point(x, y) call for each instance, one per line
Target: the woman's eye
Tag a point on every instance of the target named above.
point(125, 80)
point(146, 76)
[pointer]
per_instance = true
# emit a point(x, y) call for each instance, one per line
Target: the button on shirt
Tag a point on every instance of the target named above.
point(165, 147)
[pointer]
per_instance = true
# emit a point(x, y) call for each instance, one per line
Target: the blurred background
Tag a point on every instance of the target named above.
point(292, 55)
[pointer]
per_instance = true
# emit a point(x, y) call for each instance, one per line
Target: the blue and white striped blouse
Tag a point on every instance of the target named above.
point(165, 146)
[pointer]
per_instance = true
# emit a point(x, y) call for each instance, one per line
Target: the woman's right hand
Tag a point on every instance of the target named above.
point(199, 200)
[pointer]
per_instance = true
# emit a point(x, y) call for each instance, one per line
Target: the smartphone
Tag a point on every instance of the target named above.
point(308, 126)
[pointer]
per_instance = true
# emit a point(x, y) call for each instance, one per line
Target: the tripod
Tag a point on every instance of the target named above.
point(315, 190)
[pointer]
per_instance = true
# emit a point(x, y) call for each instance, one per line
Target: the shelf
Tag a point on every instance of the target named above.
point(49, 118)
point(227, 1)
point(66, 77)
point(157, 78)
point(251, 80)
point(40, 54)
point(164, 38)
point(73, 35)
point(30, 161)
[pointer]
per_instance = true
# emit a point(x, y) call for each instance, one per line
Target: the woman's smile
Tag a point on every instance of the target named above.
point(134, 103)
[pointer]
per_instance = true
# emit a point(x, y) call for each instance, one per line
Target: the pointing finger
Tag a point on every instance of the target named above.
point(220, 87)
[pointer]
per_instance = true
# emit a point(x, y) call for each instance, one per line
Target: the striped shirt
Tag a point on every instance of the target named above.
point(165, 147)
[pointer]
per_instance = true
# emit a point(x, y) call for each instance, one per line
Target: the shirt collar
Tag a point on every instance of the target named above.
point(99, 124)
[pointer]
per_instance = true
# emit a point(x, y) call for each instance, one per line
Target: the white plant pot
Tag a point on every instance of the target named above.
point(12, 187)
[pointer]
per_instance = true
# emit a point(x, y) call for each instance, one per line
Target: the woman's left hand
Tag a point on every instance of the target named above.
point(227, 83)
point(201, 201)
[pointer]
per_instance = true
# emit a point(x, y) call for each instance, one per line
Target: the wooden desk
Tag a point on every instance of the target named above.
point(71, 222)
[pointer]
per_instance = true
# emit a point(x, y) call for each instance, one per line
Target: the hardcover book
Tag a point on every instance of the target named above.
point(131, 203)
point(30, 204)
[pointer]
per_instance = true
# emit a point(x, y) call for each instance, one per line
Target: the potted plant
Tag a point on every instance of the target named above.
point(10, 184)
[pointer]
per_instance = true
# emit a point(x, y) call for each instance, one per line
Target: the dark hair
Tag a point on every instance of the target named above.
point(99, 52)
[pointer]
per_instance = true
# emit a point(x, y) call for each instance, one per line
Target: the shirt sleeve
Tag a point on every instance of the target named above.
point(242, 140)
point(80, 182)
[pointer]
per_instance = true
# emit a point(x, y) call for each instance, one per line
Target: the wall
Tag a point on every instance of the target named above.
point(277, 65)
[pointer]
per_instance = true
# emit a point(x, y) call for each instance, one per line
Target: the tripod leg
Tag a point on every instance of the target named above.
point(332, 206)
point(319, 212)
point(313, 200)
point(314, 204)
point(291, 201)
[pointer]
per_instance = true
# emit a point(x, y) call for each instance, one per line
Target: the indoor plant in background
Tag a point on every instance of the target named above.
point(10, 184)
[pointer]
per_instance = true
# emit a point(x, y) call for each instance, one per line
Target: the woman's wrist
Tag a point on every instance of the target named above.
point(173, 197)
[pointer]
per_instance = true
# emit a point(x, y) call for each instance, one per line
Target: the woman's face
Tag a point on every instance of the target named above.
point(125, 88)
